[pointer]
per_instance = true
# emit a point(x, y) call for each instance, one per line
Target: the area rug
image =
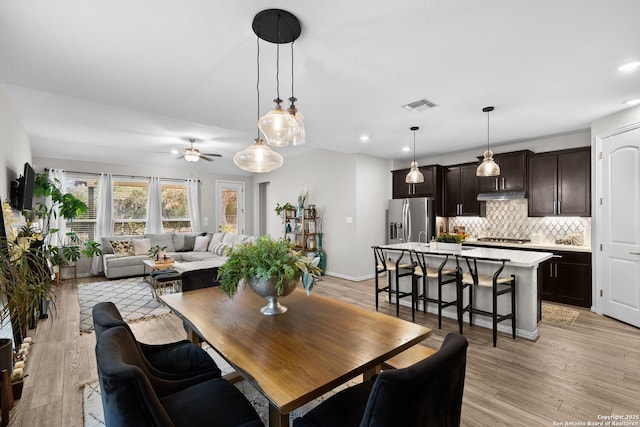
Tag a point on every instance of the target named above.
point(557, 314)
point(132, 297)
point(94, 416)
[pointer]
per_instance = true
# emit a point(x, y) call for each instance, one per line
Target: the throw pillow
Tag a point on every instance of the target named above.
point(221, 249)
point(189, 243)
point(215, 239)
point(122, 247)
point(201, 244)
point(141, 246)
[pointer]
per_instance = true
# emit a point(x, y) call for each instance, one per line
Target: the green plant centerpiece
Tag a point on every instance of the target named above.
point(271, 269)
point(449, 238)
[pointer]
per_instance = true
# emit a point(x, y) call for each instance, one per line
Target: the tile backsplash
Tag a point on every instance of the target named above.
point(508, 218)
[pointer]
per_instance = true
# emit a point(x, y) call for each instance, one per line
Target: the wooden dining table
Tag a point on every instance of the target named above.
point(292, 358)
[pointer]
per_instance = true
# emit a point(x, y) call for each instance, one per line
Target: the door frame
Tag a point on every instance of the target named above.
point(598, 231)
point(239, 186)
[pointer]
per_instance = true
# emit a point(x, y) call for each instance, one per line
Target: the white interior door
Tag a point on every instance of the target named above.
point(230, 207)
point(619, 263)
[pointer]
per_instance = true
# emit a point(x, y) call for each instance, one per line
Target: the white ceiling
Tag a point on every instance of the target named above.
point(120, 81)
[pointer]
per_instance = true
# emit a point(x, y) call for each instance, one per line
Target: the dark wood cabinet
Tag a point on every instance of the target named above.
point(559, 183)
point(513, 173)
point(461, 190)
point(431, 187)
point(566, 278)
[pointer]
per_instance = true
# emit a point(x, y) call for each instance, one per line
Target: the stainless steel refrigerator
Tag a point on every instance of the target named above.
point(410, 219)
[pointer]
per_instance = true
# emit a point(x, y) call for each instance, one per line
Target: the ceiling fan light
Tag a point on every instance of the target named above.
point(258, 158)
point(277, 126)
point(191, 156)
point(414, 176)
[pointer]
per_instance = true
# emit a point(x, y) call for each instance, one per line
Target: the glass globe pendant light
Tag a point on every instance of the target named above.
point(258, 157)
point(278, 126)
point(414, 176)
point(488, 167)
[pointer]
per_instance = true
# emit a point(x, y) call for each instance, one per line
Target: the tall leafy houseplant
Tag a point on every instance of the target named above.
point(268, 259)
point(71, 247)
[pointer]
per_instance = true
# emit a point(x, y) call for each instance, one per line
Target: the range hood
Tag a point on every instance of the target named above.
point(503, 195)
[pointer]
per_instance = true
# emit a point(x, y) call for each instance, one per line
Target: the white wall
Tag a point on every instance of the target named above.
point(540, 145)
point(207, 181)
point(14, 145)
point(340, 185)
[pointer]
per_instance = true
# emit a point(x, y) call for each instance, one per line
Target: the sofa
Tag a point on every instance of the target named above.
point(122, 256)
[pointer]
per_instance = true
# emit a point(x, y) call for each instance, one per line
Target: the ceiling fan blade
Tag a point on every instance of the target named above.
point(181, 157)
point(211, 154)
point(203, 157)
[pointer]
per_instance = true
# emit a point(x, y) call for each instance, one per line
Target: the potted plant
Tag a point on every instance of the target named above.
point(70, 247)
point(157, 252)
point(288, 209)
point(449, 242)
point(271, 268)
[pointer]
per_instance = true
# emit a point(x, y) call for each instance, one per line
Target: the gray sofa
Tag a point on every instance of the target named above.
point(182, 247)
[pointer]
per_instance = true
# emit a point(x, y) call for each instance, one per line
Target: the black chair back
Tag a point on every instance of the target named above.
point(128, 395)
point(428, 393)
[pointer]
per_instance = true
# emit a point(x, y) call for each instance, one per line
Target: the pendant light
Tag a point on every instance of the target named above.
point(414, 176)
point(488, 167)
point(258, 157)
point(298, 132)
point(277, 26)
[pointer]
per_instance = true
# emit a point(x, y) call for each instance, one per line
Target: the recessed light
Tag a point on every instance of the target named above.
point(174, 151)
point(632, 102)
point(364, 138)
point(631, 66)
point(406, 149)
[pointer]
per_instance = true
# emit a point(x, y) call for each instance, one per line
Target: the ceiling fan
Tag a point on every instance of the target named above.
point(193, 154)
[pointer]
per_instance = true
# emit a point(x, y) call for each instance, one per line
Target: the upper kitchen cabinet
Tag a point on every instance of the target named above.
point(560, 183)
point(431, 187)
point(461, 190)
point(513, 173)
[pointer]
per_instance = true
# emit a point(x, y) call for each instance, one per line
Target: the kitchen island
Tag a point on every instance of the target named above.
point(522, 264)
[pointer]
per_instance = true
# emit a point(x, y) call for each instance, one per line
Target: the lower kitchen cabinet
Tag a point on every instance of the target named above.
point(566, 278)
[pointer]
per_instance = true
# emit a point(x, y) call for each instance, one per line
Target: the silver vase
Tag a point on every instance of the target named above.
point(267, 289)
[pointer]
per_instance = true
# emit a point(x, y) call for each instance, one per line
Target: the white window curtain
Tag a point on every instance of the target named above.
point(154, 207)
point(193, 200)
point(104, 217)
point(56, 221)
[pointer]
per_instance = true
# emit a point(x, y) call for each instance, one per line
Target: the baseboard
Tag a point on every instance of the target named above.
point(351, 278)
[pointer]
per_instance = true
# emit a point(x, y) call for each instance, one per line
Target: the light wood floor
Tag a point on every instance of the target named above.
point(572, 373)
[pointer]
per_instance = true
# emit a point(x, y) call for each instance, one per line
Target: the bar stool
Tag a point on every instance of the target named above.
point(399, 269)
point(443, 275)
point(472, 278)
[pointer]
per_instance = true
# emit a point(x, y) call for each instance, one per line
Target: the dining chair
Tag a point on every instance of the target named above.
point(175, 360)
point(442, 275)
point(133, 396)
point(398, 268)
point(499, 286)
point(429, 393)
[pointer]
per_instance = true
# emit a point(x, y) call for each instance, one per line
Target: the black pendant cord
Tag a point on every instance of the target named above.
point(488, 112)
point(414, 146)
point(278, 62)
point(292, 95)
point(258, 81)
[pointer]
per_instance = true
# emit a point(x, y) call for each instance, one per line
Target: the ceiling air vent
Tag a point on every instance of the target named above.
point(419, 105)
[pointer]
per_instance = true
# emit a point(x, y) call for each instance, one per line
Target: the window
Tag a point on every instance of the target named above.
point(129, 206)
point(84, 188)
point(175, 209)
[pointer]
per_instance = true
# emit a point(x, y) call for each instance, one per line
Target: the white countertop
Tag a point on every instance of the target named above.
point(536, 246)
point(517, 258)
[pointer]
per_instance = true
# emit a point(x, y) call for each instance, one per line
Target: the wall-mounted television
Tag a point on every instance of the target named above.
point(22, 189)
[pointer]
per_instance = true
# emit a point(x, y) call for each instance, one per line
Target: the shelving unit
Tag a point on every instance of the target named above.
point(303, 231)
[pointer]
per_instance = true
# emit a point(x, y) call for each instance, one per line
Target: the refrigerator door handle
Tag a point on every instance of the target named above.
point(409, 225)
point(405, 224)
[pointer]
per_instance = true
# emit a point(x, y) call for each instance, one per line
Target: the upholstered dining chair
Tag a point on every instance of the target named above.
point(428, 393)
point(171, 361)
point(133, 396)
